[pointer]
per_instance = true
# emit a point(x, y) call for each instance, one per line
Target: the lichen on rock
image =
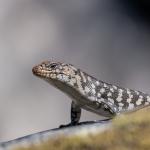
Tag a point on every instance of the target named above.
point(128, 132)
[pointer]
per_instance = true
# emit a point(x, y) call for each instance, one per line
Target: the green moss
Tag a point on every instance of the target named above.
point(129, 132)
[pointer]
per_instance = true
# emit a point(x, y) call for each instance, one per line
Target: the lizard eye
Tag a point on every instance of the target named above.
point(53, 65)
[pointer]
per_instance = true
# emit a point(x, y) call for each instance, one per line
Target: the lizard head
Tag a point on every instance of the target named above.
point(51, 71)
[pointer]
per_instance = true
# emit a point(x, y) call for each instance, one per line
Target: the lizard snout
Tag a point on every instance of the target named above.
point(35, 70)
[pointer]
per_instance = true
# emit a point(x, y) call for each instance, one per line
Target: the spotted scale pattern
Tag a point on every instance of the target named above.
point(88, 92)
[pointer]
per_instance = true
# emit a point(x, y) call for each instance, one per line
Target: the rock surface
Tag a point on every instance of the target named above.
point(83, 129)
point(130, 131)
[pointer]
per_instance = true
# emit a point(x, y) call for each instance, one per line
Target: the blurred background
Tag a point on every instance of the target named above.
point(109, 39)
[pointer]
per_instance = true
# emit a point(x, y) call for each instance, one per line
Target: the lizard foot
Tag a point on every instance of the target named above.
point(84, 123)
point(67, 125)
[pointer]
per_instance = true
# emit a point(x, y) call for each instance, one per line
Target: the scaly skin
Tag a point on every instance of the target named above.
point(89, 93)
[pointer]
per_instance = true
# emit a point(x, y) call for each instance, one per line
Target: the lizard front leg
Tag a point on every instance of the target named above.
point(75, 115)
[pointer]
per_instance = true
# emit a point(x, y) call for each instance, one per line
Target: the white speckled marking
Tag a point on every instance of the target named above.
point(101, 100)
point(120, 108)
point(73, 81)
point(105, 106)
point(98, 94)
point(119, 99)
point(120, 90)
point(105, 85)
point(111, 89)
point(93, 86)
point(102, 90)
point(131, 106)
point(87, 90)
point(84, 79)
point(121, 104)
point(128, 92)
point(148, 98)
point(57, 70)
point(65, 78)
point(93, 91)
point(120, 94)
point(129, 100)
point(141, 96)
point(79, 84)
point(139, 101)
point(93, 98)
point(89, 78)
point(114, 87)
point(97, 83)
point(137, 92)
point(111, 100)
point(131, 96)
point(109, 94)
point(59, 76)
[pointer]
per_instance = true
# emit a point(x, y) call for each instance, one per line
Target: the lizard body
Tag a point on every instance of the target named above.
point(89, 93)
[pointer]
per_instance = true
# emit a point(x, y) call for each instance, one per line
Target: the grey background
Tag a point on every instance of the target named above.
point(109, 39)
